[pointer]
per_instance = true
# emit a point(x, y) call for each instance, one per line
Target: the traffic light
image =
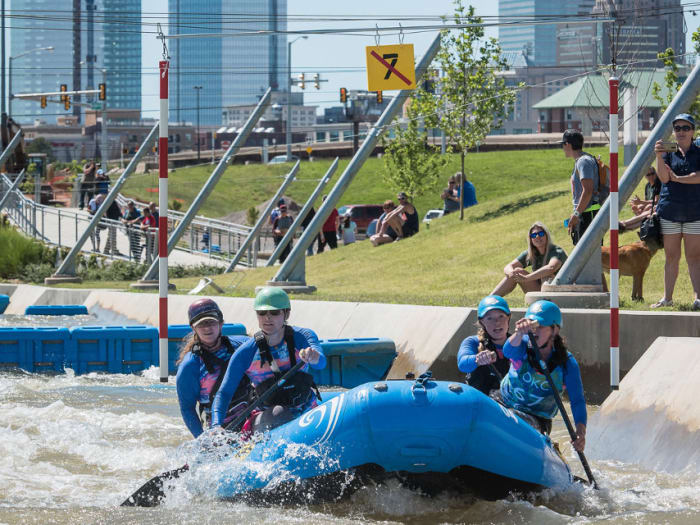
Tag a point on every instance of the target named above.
point(66, 102)
point(64, 88)
point(379, 97)
point(43, 102)
point(103, 92)
point(317, 83)
point(343, 95)
point(302, 84)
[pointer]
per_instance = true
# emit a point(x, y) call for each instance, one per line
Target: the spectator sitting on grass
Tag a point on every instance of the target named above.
point(404, 218)
point(451, 196)
point(348, 229)
point(643, 208)
point(542, 254)
point(467, 189)
point(385, 233)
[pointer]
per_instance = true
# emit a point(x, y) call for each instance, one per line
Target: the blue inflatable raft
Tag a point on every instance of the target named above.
point(431, 435)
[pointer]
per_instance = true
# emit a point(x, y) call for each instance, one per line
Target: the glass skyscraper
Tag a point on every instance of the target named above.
point(232, 70)
point(538, 42)
point(105, 34)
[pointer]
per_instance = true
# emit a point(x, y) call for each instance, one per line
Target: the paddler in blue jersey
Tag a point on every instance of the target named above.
point(525, 387)
point(276, 348)
point(201, 366)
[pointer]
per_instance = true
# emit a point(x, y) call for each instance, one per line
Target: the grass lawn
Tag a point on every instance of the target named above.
point(454, 263)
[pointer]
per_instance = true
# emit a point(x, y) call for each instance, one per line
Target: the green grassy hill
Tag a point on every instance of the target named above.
point(454, 263)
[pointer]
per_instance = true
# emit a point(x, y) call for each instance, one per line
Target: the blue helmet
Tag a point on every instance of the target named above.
point(546, 313)
point(492, 302)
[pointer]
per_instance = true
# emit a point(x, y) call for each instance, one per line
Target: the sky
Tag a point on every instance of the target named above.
point(338, 58)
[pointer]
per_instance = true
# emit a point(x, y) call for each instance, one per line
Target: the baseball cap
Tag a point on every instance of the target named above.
point(283, 207)
point(100, 172)
point(280, 202)
point(684, 116)
point(573, 137)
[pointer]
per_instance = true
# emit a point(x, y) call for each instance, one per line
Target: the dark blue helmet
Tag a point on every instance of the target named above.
point(202, 309)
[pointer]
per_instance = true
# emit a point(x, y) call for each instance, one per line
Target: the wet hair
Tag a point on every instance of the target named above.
point(531, 250)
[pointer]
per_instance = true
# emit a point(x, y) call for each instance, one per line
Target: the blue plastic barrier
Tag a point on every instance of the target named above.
point(4, 301)
point(113, 349)
point(178, 332)
point(352, 362)
point(56, 309)
point(40, 349)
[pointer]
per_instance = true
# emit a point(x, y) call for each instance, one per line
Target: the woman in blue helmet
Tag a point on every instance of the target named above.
point(201, 366)
point(525, 387)
point(276, 348)
point(481, 356)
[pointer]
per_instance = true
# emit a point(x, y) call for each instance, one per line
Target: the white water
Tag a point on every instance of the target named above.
point(72, 449)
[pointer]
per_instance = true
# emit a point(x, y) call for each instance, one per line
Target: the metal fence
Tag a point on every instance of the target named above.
point(210, 238)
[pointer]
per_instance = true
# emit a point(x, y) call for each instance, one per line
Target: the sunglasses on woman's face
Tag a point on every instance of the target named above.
point(682, 128)
point(273, 313)
point(534, 235)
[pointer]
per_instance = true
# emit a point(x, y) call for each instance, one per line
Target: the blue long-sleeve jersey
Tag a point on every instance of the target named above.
point(248, 353)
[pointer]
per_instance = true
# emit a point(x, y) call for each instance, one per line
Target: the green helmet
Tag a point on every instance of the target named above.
point(271, 298)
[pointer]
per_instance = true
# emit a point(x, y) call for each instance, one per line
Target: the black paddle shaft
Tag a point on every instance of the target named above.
point(560, 404)
point(150, 494)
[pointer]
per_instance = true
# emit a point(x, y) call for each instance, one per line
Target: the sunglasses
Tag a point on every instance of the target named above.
point(272, 313)
point(534, 235)
point(682, 128)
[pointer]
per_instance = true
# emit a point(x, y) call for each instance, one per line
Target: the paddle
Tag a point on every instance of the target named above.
point(560, 404)
point(150, 494)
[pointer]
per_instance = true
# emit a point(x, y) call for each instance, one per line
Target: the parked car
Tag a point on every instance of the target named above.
point(279, 159)
point(362, 214)
point(432, 214)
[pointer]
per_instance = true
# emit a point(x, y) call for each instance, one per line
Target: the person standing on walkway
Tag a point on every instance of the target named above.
point(87, 184)
point(329, 235)
point(130, 219)
point(279, 229)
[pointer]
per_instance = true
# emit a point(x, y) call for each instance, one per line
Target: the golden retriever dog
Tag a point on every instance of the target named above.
point(634, 260)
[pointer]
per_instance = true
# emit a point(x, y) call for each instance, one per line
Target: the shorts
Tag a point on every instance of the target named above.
point(671, 227)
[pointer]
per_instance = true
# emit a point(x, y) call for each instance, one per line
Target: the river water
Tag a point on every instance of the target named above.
point(72, 448)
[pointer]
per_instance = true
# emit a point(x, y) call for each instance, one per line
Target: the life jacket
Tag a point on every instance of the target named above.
point(298, 389)
point(485, 378)
point(218, 366)
point(526, 388)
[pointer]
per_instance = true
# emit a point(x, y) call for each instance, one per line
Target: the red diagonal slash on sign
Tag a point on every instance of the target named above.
point(390, 67)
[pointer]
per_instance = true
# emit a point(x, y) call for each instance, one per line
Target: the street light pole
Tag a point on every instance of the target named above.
point(105, 146)
point(9, 76)
point(199, 146)
point(289, 97)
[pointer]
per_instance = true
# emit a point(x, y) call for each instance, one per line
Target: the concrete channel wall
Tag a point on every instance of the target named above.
point(427, 337)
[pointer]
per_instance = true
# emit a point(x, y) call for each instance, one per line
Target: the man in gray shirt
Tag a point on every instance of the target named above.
point(585, 184)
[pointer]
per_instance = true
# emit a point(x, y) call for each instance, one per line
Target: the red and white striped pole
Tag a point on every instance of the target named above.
point(163, 223)
point(614, 261)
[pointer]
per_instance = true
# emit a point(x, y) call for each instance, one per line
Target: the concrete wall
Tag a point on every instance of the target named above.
point(427, 337)
point(654, 418)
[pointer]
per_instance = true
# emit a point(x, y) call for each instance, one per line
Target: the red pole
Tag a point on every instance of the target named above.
point(614, 261)
point(163, 222)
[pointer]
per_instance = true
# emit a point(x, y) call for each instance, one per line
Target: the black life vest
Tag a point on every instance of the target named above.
point(487, 378)
point(241, 398)
point(298, 389)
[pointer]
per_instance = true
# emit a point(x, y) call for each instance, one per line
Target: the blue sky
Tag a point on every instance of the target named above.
point(343, 55)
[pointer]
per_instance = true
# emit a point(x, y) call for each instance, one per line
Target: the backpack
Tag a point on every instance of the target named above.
point(603, 178)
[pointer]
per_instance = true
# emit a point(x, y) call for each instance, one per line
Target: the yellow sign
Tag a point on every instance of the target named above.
point(390, 67)
point(308, 150)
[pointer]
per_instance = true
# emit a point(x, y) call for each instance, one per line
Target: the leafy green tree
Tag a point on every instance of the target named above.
point(251, 215)
point(671, 81)
point(471, 97)
point(41, 145)
point(410, 163)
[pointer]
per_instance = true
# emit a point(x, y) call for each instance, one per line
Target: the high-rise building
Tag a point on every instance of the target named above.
point(231, 71)
point(88, 37)
point(642, 29)
point(537, 42)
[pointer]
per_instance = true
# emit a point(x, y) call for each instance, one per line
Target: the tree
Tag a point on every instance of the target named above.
point(471, 97)
point(410, 163)
point(41, 145)
point(671, 81)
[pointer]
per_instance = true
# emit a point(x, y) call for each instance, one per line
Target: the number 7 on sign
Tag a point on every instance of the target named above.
point(390, 67)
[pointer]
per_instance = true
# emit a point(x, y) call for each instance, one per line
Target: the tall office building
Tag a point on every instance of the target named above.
point(643, 28)
point(231, 71)
point(537, 42)
point(87, 36)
